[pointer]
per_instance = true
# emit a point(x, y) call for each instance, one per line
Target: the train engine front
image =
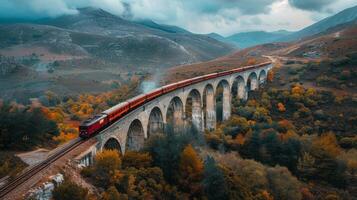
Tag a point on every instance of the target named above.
point(93, 125)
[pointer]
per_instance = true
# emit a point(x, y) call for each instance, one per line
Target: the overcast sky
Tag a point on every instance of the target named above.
point(199, 16)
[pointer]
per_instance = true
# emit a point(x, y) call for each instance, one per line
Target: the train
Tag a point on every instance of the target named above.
point(98, 122)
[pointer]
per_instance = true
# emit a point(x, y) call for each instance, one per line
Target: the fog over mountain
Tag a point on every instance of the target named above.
point(198, 16)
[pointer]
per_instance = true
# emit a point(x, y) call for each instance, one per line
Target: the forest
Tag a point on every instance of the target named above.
point(284, 142)
point(280, 144)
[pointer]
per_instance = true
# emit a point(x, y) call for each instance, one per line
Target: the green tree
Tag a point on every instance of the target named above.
point(214, 183)
point(284, 186)
point(69, 191)
point(251, 147)
point(24, 128)
point(136, 159)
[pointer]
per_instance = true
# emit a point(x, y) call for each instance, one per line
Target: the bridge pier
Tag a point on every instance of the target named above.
point(210, 111)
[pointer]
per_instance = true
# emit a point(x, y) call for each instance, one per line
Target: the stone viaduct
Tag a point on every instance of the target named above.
point(194, 104)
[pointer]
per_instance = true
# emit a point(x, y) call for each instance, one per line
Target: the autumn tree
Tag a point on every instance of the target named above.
point(281, 107)
point(165, 151)
point(111, 194)
point(136, 159)
point(270, 76)
point(191, 171)
point(106, 166)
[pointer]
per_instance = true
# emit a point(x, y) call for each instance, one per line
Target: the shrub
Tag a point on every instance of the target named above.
point(69, 191)
point(136, 159)
point(283, 184)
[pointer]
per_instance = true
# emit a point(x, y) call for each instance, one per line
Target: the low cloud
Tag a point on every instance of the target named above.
point(311, 5)
point(200, 16)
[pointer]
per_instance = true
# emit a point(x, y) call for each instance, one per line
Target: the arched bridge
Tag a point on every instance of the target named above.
point(194, 104)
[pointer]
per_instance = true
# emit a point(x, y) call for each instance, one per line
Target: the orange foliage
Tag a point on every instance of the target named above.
point(266, 195)
point(270, 76)
point(328, 143)
point(191, 171)
point(190, 161)
point(281, 107)
point(68, 131)
point(289, 134)
point(251, 61)
point(297, 90)
point(306, 194)
point(240, 139)
point(286, 124)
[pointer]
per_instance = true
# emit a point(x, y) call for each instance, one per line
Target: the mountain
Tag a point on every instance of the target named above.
point(101, 35)
point(163, 27)
point(92, 51)
point(342, 17)
point(334, 43)
point(248, 39)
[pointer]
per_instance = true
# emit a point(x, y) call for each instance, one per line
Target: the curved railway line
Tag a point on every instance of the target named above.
point(20, 179)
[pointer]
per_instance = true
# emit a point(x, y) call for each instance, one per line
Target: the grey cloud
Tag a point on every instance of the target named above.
point(53, 8)
point(311, 5)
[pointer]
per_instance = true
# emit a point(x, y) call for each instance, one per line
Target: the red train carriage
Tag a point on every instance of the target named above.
point(169, 88)
point(210, 76)
point(225, 73)
point(153, 94)
point(93, 125)
point(183, 83)
point(137, 101)
point(115, 112)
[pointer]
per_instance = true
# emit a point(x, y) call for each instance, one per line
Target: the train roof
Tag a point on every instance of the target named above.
point(136, 97)
point(114, 108)
point(92, 120)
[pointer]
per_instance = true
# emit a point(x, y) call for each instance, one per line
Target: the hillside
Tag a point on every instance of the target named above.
point(91, 51)
point(333, 43)
point(252, 38)
point(342, 17)
point(249, 39)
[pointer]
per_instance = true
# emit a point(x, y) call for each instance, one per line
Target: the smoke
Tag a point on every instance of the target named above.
point(147, 86)
point(152, 83)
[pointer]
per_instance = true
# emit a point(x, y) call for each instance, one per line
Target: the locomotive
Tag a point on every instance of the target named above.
point(100, 121)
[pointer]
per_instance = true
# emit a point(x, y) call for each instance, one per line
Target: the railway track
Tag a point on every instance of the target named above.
point(23, 177)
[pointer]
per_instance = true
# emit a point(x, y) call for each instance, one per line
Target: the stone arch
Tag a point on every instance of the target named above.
point(112, 144)
point(209, 112)
point(223, 101)
point(156, 123)
point(135, 137)
point(175, 114)
point(262, 77)
point(252, 82)
point(193, 109)
point(238, 88)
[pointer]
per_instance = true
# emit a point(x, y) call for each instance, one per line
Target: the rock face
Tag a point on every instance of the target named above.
point(44, 192)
